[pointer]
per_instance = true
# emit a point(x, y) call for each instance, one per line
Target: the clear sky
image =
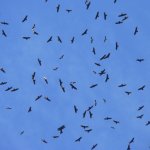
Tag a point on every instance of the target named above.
point(19, 59)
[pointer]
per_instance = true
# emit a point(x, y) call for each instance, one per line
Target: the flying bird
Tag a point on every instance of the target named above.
point(38, 97)
point(94, 146)
point(141, 88)
point(136, 30)
point(25, 18)
point(58, 7)
point(4, 34)
point(85, 32)
point(97, 15)
point(78, 140)
point(61, 128)
point(94, 85)
point(75, 109)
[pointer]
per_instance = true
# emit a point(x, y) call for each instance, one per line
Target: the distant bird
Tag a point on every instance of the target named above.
point(45, 79)
point(97, 64)
point(94, 51)
point(88, 5)
point(88, 130)
point(141, 88)
point(44, 141)
point(3, 83)
point(105, 56)
point(61, 128)
point(56, 136)
point(78, 140)
point(97, 15)
point(59, 39)
point(94, 146)
point(115, 1)
point(107, 78)
point(90, 113)
point(128, 93)
point(22, 132)
point(9, 88)
point(107, 118)
point(132, 140)
point(38, 97)
point(46, 98)
point(141, 107)
point(2, 70)
point(140, 59)
point(102, 72)
point(122, 85)
point(3, 33)
point(26, 37)
point(85, 32)
point(125, 18)
point(116, 122)
point(94, 85)
point(25, 18)
point(117, 46)
point(140, 116)
point(56, 68)
point(105, 16)
point(84, 114)
point(72, 40)
point(30, 109)
point(119, 22)
point(50, 39)
point(68, 10)
point(4, 23)
point(148, 123)
point(61, 57)
point(92, 39)
point(14, 89)
point(105, 39)
point(95, 102)
point(9, 108)
point(75, 109)
point(61, 85)
point(39, 61)
point(58, 7)
point(89, 108)
point(72, 86)
point(84, 127)
point(136, 31)
point(122, 15)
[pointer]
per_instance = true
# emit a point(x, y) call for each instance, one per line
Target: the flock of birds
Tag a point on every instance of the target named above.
point(61, 129)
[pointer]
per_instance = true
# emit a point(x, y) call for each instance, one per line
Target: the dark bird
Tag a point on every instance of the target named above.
point(148, 123)
point(85, 32)
point(3, 83)
point(59, 39)
point(141, 107)
point(97, 15)
point(121, 85)
point(88, 130)
point(46, 98)
point(26, 37)
point(44, 141)
point(2, 70)
point(84, 114)
point(50, 39)
point(90, 108)
point(125, 18)
point(107, 78)
point(38, 97)
point(68, 10)
point(56, 136)
point(92, 39)
point(25, 18)
point(61, 57)
point(107, 118)
point(140, 60)
point(94, 85)
point(4, 23)
point(72, 40)
point(94, 146)
point(102, 72)
point(9, 88)
point(56, 68)
point(105, 39)
point(84, 127)
point(45, 79)
point(122, 15)
point(75, 109)
point(95, 102)
point(140, 116)
point(3, 33)
point(119, 22)
point(8, 108)
point(93, 50)
point(78, 140)
point(97, 64)
point(128, 93)
point(72, 86)
point(141, 88)
point(88, 5)
point(61, 128)
point(22, 132)
point(40, 62)
point(105, 16)
point(105, 56)
point(90, 113)
point(136, 31)
point(116, 122)
point(128, 148)
point(117, 45)
point(132, 140)
point(115, 1)
point(14, 89)
point(30, 109)
point(58, 7)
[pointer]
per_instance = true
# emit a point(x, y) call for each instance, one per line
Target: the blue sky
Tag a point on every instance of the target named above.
point(19, 59)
